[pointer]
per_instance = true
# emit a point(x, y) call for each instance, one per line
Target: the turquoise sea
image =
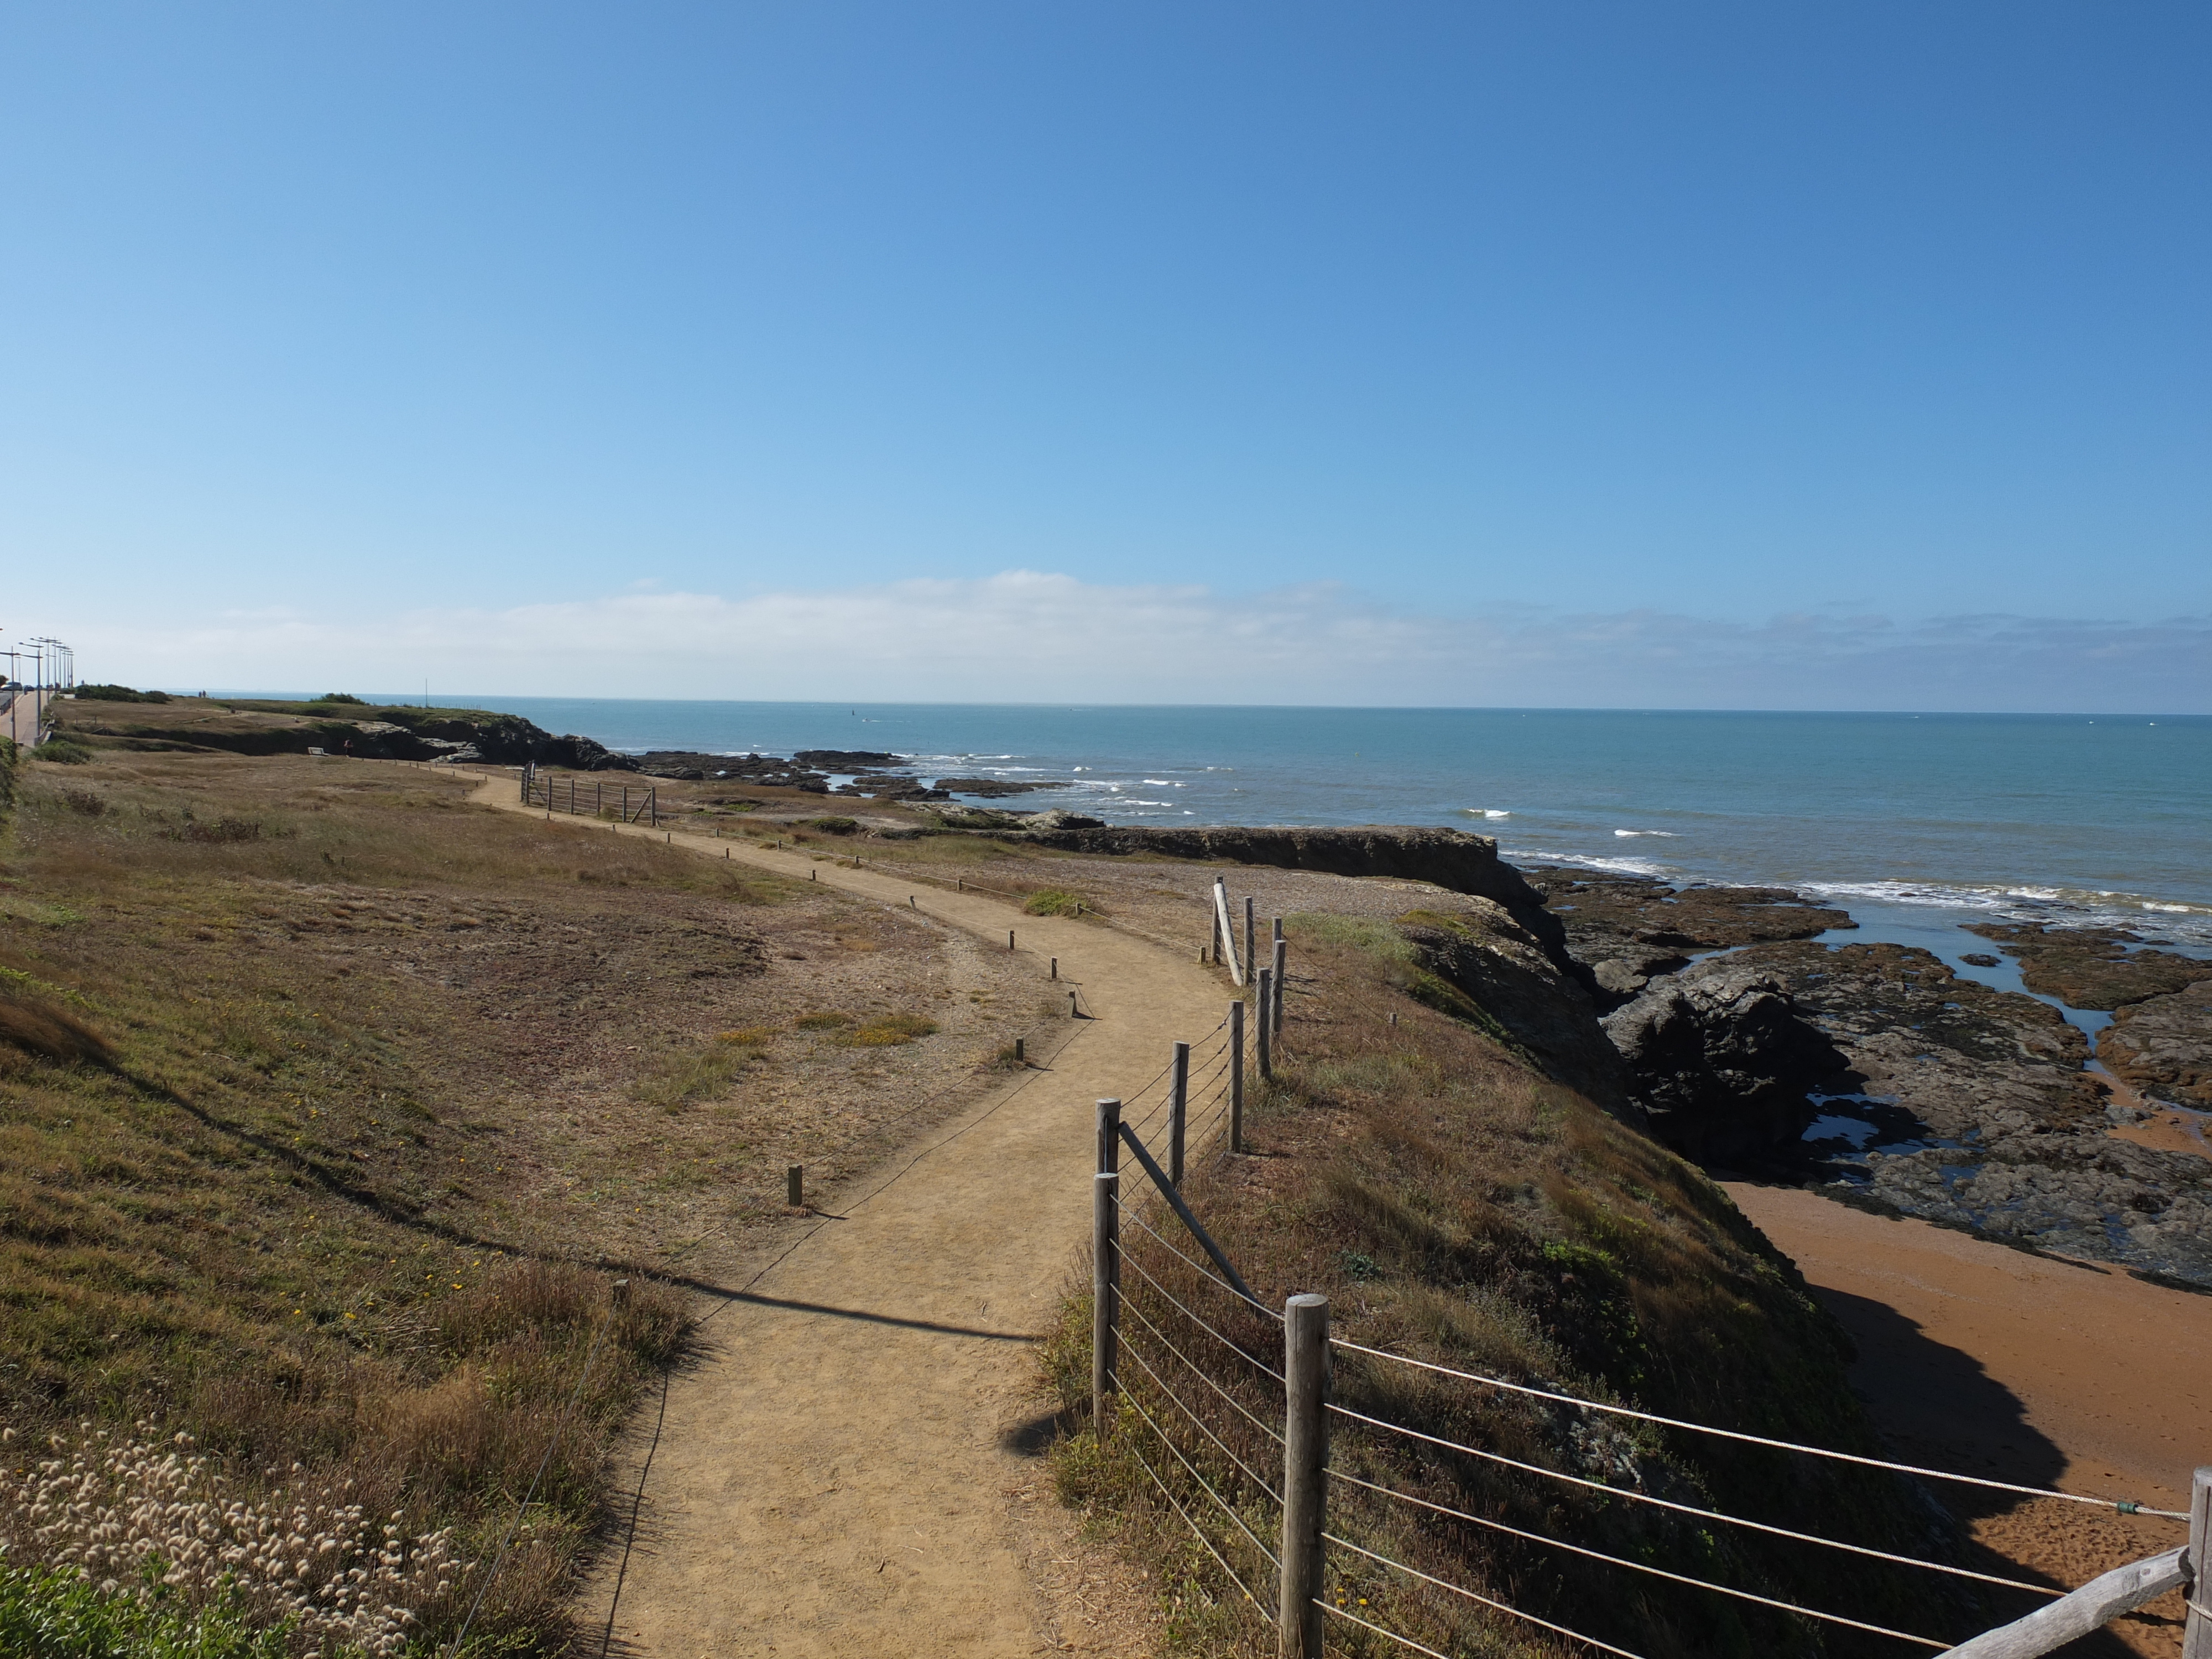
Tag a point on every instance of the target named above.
point(1912, 822)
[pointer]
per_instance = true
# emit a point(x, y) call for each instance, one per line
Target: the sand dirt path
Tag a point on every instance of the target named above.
point(833, 1477)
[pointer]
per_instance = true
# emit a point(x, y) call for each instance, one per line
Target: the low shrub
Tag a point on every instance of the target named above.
point(1058, 902)
point(342, 696)
point(221, 832)
point(118, 693)
point(835, 826)
point(826, 1020)
point(60, 751)
point(889, 1031)
point(747, 1036)
point(32, 1025)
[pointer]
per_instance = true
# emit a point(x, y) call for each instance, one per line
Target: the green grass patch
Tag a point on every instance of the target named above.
point(1059, 902)
point(48, 1614)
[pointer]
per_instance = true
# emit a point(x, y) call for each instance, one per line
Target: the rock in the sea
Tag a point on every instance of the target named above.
point(2163, 1046)
point(1721, 1058)
point(1059, 819)
point(2091, 967)
point(1961, 1058)
point(995, 788)
point(1627, 929)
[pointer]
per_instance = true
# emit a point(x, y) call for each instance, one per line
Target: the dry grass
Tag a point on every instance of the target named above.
point(314, 1133)
point(1456, 1207)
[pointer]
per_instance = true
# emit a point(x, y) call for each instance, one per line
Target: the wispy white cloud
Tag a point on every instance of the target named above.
point(1028, 636)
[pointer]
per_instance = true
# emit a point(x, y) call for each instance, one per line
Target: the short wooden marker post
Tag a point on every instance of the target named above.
point(1074, 1012)
point(1105, 1266)
point(1178, 1107)
point(1305, 1491)
point(1236, 1077)
point(1019, 1059)
point(794, 1186)
point(1259, 1016)
point(1009, 938)
point(2197, 1629)
point(1055, 967)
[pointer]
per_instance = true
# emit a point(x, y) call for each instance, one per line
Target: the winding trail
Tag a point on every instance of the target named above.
point(832, 1479)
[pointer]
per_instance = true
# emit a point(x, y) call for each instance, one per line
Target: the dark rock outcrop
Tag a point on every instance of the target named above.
point(845, 760)
point(1450, 859)
point(1479, 963)
point(1627, 929)
point(2163, 1046)
point(995, 788)
point(1960, 1058)
point(1721, 1059)
point(2100, 967)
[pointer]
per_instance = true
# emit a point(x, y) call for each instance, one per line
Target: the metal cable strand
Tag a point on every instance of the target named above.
point(1618, 1561)
point(1220, 1284)
point(1755, 1439)
point(1250, 1417)
point(1196, 1534)
point(1257, 1364)
point(1705, 1515)
point(1575, 1636)
point(1203, 1485)
point(1257, 1479)
point(1403, 1641)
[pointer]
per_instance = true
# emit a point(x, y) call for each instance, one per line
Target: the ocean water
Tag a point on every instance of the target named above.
point(1913, 823)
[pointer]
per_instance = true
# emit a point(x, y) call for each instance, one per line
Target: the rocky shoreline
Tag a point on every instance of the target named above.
point(1878, 1075)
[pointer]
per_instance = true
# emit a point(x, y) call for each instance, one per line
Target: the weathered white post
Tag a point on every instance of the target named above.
point(1305, 1450)
point(2196, 1630)
point(1105, 1265)
point(1178, 1106)
point(1236, 1077)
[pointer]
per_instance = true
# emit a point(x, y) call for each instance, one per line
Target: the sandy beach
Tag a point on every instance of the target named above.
point(2017, 1367)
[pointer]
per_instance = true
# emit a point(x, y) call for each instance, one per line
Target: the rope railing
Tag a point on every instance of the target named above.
point(1472, 1595)
point(1635, 1496)
point(1198, 1533)
point(2122, 1505)
point(1219, 1284)
point(1199, 1423)
point(1191, 1365)
point(1226, 1506)
point(1257, 1363)
point(1215, 1428)
point(1612, 1560)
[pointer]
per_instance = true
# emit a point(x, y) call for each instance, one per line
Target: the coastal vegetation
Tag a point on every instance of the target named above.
point(1458, 1206)
point(331, 1111)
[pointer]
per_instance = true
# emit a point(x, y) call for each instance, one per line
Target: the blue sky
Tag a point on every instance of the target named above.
point(677, 349)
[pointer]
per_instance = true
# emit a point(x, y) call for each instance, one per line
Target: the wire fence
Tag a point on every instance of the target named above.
point(1443, 1534)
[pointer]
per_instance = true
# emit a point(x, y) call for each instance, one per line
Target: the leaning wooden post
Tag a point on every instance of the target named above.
point(1178, 1105)
point(1259, 1019)
point(1105, 1265)
point(1236, 1077)
point(1282, 959)
point(2196, 1629)
point(1305, 1450)
point(1251, 942)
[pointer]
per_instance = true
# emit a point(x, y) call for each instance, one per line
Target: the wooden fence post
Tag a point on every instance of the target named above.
point(1105, 1266)
point(1250, 944)
point(1236, 1077)
point(1305, 1450)
point(1178, 1107)
point(794, 1185)
point(1282, 961)
point(1260, 1013)
point(2196, 1630)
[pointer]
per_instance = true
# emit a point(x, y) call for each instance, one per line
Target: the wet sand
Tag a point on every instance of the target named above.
point(1992, 1362)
